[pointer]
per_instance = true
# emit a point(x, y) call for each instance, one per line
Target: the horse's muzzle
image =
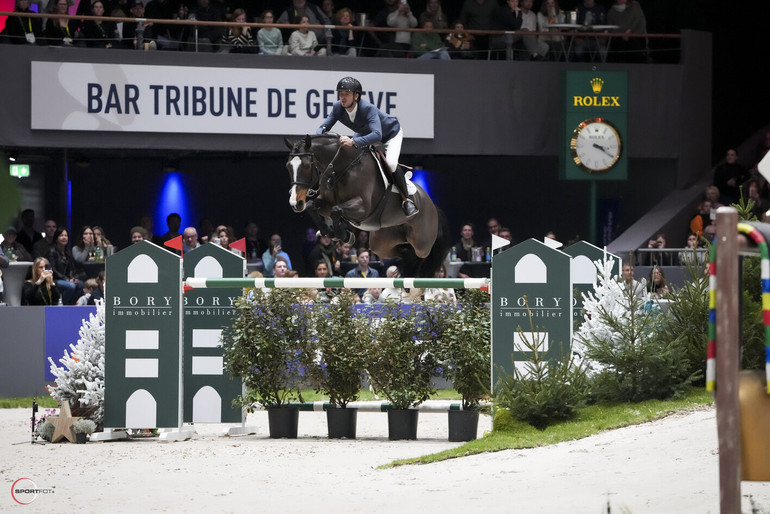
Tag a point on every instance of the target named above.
point(299, 206)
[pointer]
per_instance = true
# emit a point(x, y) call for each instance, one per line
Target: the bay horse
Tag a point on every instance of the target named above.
point(341, 186)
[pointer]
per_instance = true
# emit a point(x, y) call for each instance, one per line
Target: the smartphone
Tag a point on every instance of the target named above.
point(48, 267)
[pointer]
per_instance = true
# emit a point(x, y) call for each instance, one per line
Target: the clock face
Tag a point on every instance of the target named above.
point(595, 145)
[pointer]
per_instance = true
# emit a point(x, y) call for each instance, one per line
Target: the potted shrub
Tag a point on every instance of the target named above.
point(268, 346)
point(401, 367)
point(82, 428)
point(340, 343)
point(467, 361)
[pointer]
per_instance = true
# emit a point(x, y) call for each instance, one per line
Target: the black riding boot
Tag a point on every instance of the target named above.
point(410, 209)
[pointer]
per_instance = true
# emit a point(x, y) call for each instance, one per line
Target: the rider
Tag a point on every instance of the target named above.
point(371, 126)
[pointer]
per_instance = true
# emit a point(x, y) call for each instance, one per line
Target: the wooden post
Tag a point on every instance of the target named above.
point(727, 361)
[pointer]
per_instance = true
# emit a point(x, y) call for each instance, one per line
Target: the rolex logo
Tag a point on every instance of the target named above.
point(596, 85)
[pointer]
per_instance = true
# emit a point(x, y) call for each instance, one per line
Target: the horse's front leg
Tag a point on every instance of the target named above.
point(324, 224)
point(340, 228)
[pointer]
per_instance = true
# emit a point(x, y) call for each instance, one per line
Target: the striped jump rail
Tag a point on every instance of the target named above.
point(336, 282)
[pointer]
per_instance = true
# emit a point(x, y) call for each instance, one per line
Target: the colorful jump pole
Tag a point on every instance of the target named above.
point(347, 282)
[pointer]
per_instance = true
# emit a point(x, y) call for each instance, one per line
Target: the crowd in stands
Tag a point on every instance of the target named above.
point(347, 37)
point(65, 270)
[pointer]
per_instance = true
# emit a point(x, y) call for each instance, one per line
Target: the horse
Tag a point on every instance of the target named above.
point(341, 186)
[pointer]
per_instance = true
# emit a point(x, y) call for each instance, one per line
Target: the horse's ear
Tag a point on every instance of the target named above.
point(289, 143)
point(308, 142)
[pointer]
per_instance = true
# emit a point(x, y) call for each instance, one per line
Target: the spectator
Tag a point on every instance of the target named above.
point(64, 270)
point(13, 250)
point(493, 228)
point(304, 42)
point(372, 295)
point(272, 253)
point(189, 239)
point(362, 270)
point(41, 289)
point(392, 294)
point(43, 246)
point(693, 255)
point(479, 15)
point(323, 250)
point(712, 194)
point(466, 242)
point(167, 36)
point(505, 233)
point(632, 286)
point(550, 13)
point(729, 176)
point(439, 294)
point(98, 293)
point(89, 286)
point(174, 223)
point(345, 42)
point(435, 14)
point(255, 245)
point(702, 219)
point(657, 258)
point(100, 239)
point(138, 234)
point(225, 236)
point(60, 31)
point(28, 236)
point(299, 8)
point(657, 286)
point(589, 48)
point(20, 30)
point(270, 39)
point(385, 41)
point(237, 38)
point(519, 16)
point(461, 45)
point(139, 34)
point(208, 35)
point(710, 232)
point(428, 45)
point(402, 18)
point(760, 204)
point(280, 267)
point(324, 294)
point(99, 33)
point(629, 17)
point(83, 251)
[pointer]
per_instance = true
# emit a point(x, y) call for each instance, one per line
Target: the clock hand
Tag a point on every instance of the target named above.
point(600, 147)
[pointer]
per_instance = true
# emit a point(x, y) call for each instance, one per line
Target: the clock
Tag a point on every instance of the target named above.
point(595, 145)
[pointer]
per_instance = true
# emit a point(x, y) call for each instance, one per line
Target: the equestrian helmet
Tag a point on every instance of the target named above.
point(349, 84)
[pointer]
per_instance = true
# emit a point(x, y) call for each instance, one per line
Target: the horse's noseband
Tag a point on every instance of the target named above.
point(314, 174)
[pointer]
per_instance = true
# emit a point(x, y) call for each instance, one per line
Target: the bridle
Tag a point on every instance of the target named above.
point(316, 177)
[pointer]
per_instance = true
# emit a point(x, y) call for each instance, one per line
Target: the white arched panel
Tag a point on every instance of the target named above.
point(531, 270)
point(141, 410)
point(207, 406)
point(142, 270)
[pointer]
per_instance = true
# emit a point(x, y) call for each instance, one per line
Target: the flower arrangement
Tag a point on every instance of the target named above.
point(466, 348)
point(84, 426)
point(269, 346)
point(401, 363)
point(340, 343)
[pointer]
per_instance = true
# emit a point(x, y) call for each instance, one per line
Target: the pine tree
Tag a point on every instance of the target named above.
point(80, 380)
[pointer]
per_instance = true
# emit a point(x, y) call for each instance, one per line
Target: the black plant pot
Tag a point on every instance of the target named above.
point(81, 437)
point(463, 425)
point(341, 423)
point(283, 422)
point(402, 424)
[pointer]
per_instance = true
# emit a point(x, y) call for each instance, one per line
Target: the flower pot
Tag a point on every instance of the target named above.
point(463, 425)
point(81, 437)
point(402, 424)
point(283, 422)
point(341, 423)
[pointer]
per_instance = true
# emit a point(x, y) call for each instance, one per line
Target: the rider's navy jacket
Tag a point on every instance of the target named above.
point(371, 125)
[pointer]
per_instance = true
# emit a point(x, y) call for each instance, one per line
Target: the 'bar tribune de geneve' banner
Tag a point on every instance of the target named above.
point(174, 99)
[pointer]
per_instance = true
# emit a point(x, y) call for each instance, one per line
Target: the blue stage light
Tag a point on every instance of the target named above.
point(173, 198)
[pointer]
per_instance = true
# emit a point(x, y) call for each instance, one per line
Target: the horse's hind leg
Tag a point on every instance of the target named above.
point(339, 227)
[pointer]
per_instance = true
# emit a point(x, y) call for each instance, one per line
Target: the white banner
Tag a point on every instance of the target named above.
point(184, 99)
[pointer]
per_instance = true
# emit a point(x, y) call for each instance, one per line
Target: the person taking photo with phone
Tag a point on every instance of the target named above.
point(41, 288)
point(274, 250)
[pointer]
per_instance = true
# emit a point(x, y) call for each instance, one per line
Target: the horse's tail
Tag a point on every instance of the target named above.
point(413, 266)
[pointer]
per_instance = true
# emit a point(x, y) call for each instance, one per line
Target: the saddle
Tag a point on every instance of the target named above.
point(378, 152)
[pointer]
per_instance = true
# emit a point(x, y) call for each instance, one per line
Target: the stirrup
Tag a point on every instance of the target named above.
point(410, 209)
